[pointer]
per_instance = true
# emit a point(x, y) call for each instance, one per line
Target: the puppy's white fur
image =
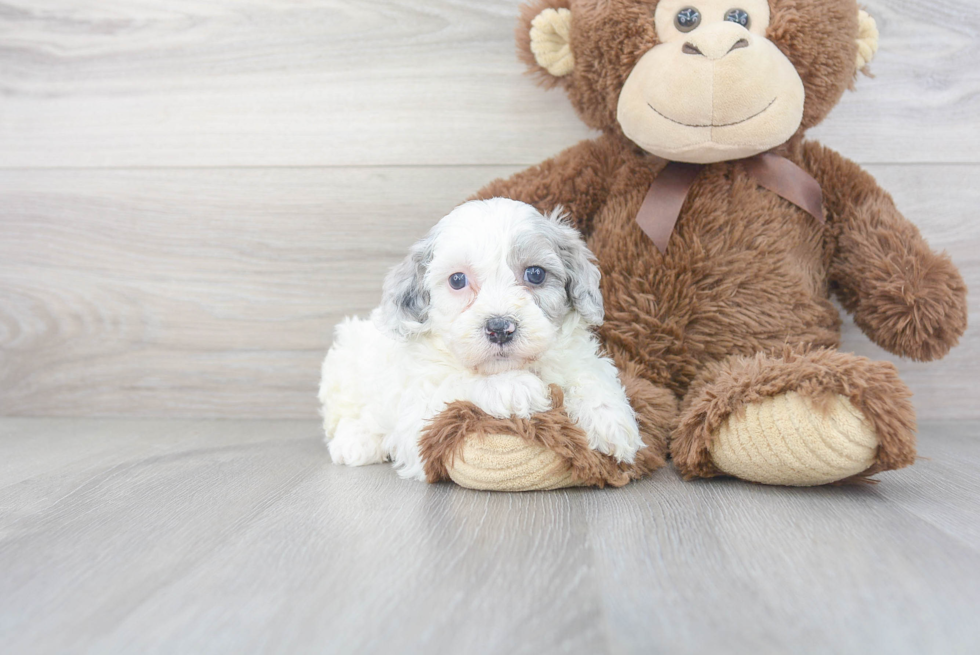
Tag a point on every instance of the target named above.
point(428, 344)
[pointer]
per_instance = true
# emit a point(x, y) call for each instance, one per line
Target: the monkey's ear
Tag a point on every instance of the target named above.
point(551, 41)
point(544, 39)
point(867, 40)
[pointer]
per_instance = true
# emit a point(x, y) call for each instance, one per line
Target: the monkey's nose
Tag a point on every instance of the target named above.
point(500, 330)
point(691, 49)
point(717, 42)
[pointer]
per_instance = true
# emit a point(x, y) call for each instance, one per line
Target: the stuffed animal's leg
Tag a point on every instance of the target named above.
point(547, 451)
point(797, 417)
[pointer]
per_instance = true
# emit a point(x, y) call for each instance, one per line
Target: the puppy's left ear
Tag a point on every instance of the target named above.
point(583, 274)
point(404, 310)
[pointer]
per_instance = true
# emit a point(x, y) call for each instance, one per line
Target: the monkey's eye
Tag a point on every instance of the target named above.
point(687, 19)
point(739, 16)
point(534, 275)
point(457, 280)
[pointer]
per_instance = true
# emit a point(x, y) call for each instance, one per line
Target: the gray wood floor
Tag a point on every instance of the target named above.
point(240, 536)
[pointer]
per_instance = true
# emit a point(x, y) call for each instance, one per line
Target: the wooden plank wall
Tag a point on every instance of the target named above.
point(192, 192)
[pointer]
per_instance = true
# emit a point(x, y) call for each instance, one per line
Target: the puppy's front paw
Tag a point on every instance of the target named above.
point(514, 393)
point(610, 426)
point(355, 452)
point(355, 446)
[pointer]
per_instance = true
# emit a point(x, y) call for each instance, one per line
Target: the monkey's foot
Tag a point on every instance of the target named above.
point(796, 441)
point(799, 417)
point(504, 462)
point(546, 451)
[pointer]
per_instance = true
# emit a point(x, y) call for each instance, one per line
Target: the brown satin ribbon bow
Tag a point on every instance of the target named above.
point(662, 205)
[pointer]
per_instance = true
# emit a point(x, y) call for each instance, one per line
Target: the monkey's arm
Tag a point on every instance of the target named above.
point(578, 179)
point(907, 298)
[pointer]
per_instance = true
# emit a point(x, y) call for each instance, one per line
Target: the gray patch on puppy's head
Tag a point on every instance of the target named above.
point(573, 278)
point(534, 246)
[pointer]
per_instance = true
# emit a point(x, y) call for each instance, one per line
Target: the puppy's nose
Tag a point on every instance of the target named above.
point(500, 330)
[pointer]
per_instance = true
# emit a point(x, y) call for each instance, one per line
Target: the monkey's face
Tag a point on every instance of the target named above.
point(715, 88)
point(699, 81)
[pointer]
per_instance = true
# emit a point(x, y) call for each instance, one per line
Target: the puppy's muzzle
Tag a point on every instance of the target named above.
point(500, 330)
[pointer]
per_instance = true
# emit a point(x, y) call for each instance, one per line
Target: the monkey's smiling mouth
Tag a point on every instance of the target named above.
point(744, 120)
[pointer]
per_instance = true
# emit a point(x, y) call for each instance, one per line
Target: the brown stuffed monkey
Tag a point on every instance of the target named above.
point(721, 233)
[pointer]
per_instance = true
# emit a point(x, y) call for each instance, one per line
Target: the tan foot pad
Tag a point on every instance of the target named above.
point(792, 440)
point(509, 463)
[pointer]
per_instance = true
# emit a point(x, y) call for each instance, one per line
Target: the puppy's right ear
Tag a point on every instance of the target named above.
point(404, 310)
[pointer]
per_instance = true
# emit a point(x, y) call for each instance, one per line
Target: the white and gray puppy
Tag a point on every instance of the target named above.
point(492, 306)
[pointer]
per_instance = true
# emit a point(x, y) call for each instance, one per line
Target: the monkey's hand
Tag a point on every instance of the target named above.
point(907, 298)
point(912, 301)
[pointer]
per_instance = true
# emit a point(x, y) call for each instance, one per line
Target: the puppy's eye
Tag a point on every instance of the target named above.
point(687, 19)
point(457, 280)
point(534, 275)
point(739, 16)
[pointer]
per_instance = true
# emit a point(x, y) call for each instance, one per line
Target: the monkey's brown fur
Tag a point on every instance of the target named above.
point(738, 308)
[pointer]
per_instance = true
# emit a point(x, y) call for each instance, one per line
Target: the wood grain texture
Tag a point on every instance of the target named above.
point(200, 293)
point(239, 536)
point(116, 83)
point(214, 292)
point(194, 192)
